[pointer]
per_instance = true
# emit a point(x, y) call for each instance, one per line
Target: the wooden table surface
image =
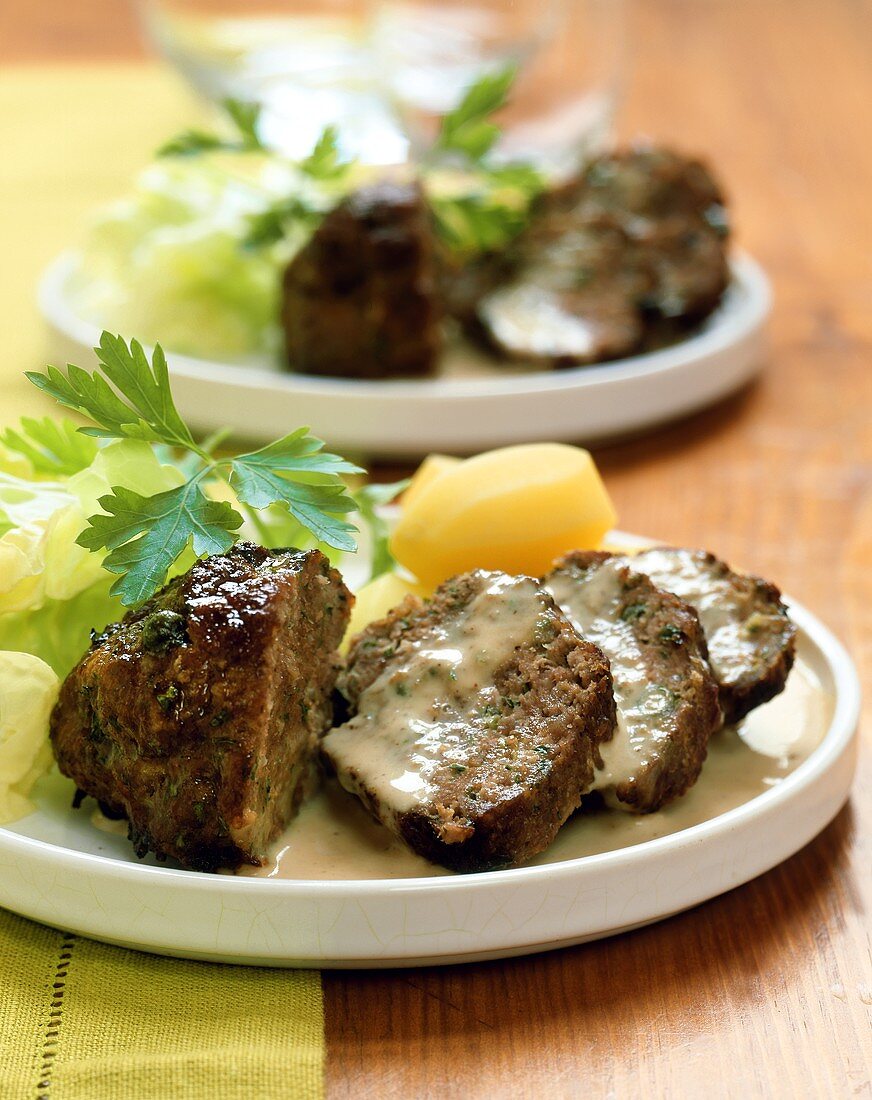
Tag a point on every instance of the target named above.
point(768, 990)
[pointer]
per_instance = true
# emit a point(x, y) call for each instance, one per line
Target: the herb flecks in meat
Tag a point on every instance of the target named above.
point(206, 746)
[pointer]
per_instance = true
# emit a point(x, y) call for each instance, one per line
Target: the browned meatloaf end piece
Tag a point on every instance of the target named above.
point(751, 640)
point(666, 696)
point(198, 714)
point(360, 298)
point(477, 718)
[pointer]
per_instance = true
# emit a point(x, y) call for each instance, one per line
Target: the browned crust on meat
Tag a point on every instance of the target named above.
point(197, 716)
point(674, 653)
point(360, 298)
point(768, 624)
point(531, 767)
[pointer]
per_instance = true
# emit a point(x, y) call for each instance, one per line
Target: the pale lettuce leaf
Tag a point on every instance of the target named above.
point(52, 594)
point(28, 690)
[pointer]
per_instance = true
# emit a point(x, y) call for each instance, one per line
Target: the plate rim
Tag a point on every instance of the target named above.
point(736, 321)
point(840, 733)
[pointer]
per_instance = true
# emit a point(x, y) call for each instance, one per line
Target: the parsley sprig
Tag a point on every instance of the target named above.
point(323, 165)
point(489, 213)
point(325, 161)
point(467, 130)
point(484, 213)
point(272, 224)
point(245, 137)
point(129, 397)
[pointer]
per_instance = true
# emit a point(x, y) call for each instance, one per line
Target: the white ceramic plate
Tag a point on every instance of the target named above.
point(57, 868)
point(473, 405)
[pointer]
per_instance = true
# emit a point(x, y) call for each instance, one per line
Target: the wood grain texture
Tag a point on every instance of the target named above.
point(69, 30)
point(766, 992)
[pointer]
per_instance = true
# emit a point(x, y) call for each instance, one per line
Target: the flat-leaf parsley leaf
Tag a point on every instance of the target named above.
point(467, 129)
point(245, 138)
point(145, 535)
point(493, 206)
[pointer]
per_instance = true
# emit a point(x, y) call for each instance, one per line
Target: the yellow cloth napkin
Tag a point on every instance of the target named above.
point(72, 137)
point(81, 1020)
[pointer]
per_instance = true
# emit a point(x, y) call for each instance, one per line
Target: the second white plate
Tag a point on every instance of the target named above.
point(473, 405)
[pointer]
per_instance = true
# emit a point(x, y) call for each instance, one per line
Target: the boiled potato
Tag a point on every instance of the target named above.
point(430, 469)
point(515, 509)
point(376, 599)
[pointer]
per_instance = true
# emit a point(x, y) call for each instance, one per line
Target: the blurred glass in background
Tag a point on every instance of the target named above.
point(385, 71)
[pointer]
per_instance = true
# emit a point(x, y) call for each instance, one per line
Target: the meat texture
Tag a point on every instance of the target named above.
point(751, 640)
point(360, 298)
point(666, 696)
point(197, 716)
point(626, 258)
point(673, 214)
point(477, 720)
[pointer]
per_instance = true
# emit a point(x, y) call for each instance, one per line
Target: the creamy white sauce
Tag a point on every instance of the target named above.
point(333, 837)
point(116, 826)
point(423, 712)
point(591, 603)
point(530, 319)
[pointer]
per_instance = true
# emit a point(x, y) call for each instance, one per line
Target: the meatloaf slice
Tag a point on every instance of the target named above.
point(360, 298)
point(674, 214)
point(666, 696)
point(751, 640)
point(476, 722)
point(198, 714)
point(630, 254)
point(574, 298)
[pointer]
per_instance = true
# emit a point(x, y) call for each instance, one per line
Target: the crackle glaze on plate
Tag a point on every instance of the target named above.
point(57, 868)
point(473, 405)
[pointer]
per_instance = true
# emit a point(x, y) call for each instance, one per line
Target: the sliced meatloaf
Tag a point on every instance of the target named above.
point(666, 696)
point(674, 214)
point(197, 715)
point(477, 719)
point(751, 640)
point(627, 256)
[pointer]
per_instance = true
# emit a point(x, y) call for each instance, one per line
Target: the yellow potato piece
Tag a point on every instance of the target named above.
point(430, 469)
point(376, 599)
point(515, 509)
